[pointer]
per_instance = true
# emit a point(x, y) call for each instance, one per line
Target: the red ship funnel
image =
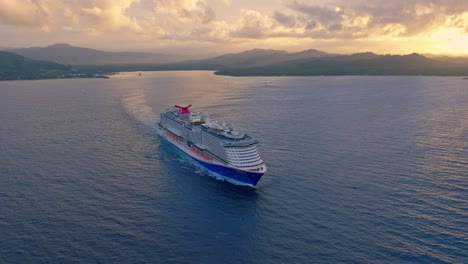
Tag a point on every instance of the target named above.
point(184, 109)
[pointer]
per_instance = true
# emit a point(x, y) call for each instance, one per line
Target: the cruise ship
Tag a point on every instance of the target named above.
point(218, 147)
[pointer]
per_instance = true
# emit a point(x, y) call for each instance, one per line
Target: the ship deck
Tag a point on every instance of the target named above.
point(225, 141)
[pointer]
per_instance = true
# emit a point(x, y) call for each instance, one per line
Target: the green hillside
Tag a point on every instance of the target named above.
point(16, 67)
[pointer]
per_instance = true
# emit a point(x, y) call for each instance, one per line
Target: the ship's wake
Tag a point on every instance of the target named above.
point(137, 106)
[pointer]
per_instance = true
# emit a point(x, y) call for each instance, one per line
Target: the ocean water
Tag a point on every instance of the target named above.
point(361, 169)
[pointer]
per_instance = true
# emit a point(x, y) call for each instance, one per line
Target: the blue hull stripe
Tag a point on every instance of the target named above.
point(237, 175)
point(248, 178)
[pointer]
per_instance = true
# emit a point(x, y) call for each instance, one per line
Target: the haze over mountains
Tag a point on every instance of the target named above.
point(87, 61)
point(67, 54)
point(71, 55)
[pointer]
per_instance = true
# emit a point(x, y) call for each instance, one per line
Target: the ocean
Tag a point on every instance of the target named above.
point(360, 169)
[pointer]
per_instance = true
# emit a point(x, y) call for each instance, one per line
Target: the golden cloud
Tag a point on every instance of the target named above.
point(26, 13)
point(200, 21)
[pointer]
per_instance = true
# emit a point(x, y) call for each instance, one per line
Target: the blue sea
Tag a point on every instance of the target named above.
point(360, 170)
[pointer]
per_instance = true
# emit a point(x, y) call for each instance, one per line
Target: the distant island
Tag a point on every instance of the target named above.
point(66, 61)
point(356, 64)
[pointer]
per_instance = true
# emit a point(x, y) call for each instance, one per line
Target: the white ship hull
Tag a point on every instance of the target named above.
point(232, 173)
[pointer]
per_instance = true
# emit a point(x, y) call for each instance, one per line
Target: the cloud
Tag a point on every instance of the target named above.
point(252, 24)
point(107, 15)
point(337, 18)
point(181, 20)
point(99, 15)
point(26, 13)
point(459, 21)
point(177, 12)
point(231, 22)
point(165, 19)
point(227, 2)
point(283, 19)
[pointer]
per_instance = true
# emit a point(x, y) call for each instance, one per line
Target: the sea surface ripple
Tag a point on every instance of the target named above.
point(361, 169)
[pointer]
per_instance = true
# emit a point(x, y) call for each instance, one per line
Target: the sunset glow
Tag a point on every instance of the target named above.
point(337, 26)
point(452, 40)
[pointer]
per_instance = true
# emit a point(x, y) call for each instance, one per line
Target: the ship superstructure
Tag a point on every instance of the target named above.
point(218, 147)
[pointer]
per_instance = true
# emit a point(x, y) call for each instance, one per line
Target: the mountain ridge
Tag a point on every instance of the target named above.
point(67, 54)
point(254, 62)
point(355, 64)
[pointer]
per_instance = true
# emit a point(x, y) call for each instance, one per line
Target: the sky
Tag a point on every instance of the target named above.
point(221, 26)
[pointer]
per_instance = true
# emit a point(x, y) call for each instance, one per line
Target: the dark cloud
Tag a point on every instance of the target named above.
point(311, 25)
point(205, 13)
point(335, 27)
point(325, 14)
point(285, 20)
